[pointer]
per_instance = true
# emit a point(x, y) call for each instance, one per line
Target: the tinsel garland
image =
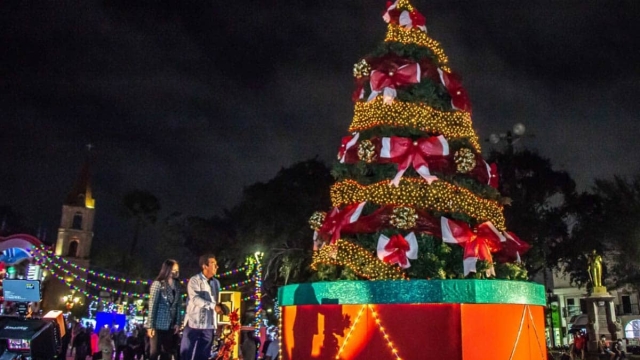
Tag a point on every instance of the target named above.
point(357, 259)
point(451, 124)
point(226, 352)
point(439, 196)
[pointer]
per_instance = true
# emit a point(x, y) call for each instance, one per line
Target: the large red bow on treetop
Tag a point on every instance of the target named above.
point(398, 249)
point(478, 244)
point(387, 81)
point(336, 219)
point(459, 97)
point(347, 143)
point(405, 151)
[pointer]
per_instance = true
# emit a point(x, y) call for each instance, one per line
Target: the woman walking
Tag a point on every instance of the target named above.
point(165, 301)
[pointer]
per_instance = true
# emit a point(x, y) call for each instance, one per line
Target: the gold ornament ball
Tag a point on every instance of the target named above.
point(361, 69)
point(317, 219)
point(367, 151)
point(465, 160)
point(404, 218)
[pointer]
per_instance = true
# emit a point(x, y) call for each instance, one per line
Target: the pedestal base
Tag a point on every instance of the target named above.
point(330, 321)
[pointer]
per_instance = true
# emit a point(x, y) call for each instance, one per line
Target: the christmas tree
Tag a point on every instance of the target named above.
point(413, 196)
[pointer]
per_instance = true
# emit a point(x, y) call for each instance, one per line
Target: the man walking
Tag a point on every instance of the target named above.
point(202, 307)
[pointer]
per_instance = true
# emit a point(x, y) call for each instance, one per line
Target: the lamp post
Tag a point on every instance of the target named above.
point(71, 300)
point(510, 137)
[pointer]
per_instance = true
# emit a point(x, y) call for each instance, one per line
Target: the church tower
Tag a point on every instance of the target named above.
point(76, 225)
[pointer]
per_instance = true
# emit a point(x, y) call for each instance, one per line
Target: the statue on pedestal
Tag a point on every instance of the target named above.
point(595, 270)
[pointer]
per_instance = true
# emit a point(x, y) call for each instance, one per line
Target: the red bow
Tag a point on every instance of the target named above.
point(398, 249)
point(404, 151)
point(478, 244)
point(459, 97)
point(387, 81)
point(335, 220)
point(512, 249)
point(347, 143)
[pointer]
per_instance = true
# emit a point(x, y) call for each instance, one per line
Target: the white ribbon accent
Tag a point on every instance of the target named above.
point(356, 214)
point(349, 145)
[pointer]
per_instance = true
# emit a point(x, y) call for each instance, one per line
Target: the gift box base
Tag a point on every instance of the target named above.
point(318, 327)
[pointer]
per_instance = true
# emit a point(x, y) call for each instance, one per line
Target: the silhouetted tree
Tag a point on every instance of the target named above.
point(539, 208)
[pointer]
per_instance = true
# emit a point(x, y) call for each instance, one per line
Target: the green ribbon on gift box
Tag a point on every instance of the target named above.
point(464, 291)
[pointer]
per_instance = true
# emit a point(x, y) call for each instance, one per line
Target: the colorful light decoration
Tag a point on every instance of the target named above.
point(257, 278)
point(66, 262)
point(44, 256)
point(451, 124)
point(358, 259)
point(438, 196)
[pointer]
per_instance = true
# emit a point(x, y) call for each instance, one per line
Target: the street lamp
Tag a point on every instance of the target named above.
point(510, 137)
point(71, 300)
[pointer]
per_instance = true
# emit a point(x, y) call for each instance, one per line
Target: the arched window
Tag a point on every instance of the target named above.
point(77, 221)
point(632, 330)
point(73, 249)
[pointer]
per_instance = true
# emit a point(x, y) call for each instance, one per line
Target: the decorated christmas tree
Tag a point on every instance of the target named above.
point(413, 199)
point(413, 196)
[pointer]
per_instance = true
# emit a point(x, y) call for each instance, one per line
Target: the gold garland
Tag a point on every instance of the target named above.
point(440, 196)
point(451, 124)
point(397, 33)
point(358, 259)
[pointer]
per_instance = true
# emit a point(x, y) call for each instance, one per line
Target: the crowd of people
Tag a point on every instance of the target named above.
point(616, 350)
point(167, 334)
point(82, 343)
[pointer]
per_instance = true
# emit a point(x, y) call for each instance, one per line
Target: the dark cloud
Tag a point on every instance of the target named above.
point(193, 101)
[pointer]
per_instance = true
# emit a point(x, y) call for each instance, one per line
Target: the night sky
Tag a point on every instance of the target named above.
point(193, 100)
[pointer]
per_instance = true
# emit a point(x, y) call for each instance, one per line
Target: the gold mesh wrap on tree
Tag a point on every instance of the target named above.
point(440, 196)
point(451, 124)
point(358, 260)
point(397, 33)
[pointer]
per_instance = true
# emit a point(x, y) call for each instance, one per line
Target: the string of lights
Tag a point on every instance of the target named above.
point(353, 327)
point(78, 268)
point(38, 255)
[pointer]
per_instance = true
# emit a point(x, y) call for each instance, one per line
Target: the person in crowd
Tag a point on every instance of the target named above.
point(81, 343)
point(603, 347)
point(165, 300)
point(76, 329)
point(131, 351)
point(273, 351)
point(202, 307)
point(249, 346)
point(120, 339)
point(620, 349)
point(65, 341)
point(93, 342)
point(106, 347)
point(577, 348)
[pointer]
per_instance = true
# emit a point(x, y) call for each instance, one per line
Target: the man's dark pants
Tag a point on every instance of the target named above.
point(196, 344)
